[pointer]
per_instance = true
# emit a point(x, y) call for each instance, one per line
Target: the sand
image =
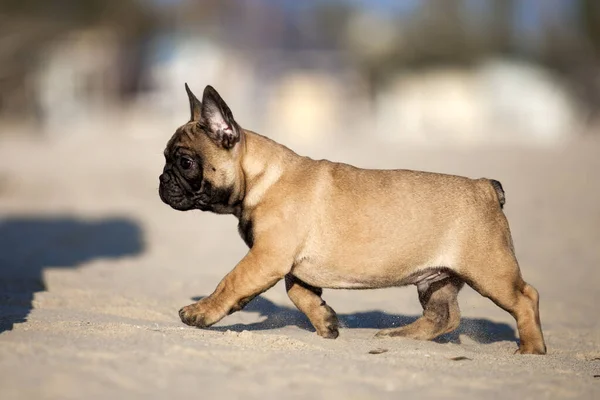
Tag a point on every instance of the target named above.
point(93, 269)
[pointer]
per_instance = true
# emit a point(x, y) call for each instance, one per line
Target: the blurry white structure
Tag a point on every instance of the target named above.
point(305, 106)
point(429, 106)
point(199, 62)
point(523, 100)
point(175, 61)
point(497, 102)
point(76, 80)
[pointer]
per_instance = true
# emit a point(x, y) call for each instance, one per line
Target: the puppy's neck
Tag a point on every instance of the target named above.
point(263, 163)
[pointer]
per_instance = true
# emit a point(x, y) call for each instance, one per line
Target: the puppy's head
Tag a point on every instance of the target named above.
point(202, 169)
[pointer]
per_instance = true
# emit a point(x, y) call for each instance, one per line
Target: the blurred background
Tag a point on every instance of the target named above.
point(459, 71)
point(93, 266)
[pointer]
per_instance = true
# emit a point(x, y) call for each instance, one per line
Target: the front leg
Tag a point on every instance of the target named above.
point(258, 271)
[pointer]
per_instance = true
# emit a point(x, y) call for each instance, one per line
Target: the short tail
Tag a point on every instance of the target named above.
point(499, 192)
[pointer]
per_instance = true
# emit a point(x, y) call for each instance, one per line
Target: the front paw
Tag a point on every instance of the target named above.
point(198, 315)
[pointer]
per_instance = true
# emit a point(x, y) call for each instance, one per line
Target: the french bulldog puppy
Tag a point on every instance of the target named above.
point(321, 224)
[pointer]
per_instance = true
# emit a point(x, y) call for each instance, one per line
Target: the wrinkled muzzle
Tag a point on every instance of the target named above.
point(171, 192)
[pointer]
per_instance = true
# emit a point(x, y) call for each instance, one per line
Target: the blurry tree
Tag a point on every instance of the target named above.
point(590, 18)
point(571, 49)
point(501, 29)
point(29, 26)
point(439, 36)
point(590, 87)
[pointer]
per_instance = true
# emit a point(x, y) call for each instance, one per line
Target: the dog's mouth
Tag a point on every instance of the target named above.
point(173, 193)
point(182, 195)
point(176, 201)
point(178, 193)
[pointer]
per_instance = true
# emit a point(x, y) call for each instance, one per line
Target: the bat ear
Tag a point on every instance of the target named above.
point(218, 119)
point(195, 105)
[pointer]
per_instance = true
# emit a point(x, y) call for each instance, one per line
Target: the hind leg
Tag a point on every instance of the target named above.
point(501, 282)
point(308, 300)
point(440, 311)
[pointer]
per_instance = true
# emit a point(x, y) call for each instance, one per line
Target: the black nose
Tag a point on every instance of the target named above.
point(164, 178)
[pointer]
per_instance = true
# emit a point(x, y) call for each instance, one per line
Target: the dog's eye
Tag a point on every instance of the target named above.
point(185, 163)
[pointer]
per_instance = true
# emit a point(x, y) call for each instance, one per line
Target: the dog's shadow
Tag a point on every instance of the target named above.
point(31, 244)
point(478, 329)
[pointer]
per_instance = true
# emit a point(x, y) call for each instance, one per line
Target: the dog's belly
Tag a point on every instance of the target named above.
point(324, 277)
point(366, 276)
point(374, 265)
